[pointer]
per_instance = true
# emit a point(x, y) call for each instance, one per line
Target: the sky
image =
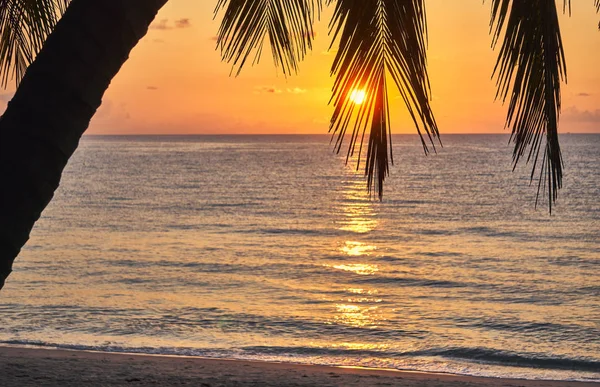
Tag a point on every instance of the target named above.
point(176, 83)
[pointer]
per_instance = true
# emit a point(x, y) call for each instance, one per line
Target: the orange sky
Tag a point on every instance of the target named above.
point(175, 83)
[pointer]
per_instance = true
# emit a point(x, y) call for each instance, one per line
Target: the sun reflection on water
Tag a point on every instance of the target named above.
point(358, 268)
point(364, 299)
point(359, 307)
point(357, 316)
point(362, 291)
point(357, 248)
point(359, 215)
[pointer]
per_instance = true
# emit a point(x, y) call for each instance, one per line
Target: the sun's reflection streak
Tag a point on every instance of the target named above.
point(357, 316)
point(362, 291)
point(357, 268)
point(359, 307)
point(357, 248)
point(359, 215)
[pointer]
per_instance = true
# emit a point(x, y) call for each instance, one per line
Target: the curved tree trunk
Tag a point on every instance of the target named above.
point(54, 104)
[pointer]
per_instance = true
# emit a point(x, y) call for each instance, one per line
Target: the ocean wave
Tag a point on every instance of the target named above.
point(552, 332)
point(509, 358)
point(187, 322)
point(408, 281)
point(328, 356)
point(486, 355)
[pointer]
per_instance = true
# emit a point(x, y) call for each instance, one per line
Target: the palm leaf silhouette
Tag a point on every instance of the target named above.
point(530, 68)
point(24, 24)
point(383, 42)
point(288, 25)
point(379, 41)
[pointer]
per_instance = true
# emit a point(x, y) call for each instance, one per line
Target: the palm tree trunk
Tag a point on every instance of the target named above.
point(54, 104)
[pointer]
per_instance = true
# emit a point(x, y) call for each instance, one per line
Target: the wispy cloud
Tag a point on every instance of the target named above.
point(584, 95)
point(112, 112)
point(297, 90)
point(275, 90)
point(267, 89)
point(183, 23)
point(165, 24)
point(573, 114)
point(162, 24)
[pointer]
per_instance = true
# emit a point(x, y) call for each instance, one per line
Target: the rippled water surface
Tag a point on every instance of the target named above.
point(270, 248)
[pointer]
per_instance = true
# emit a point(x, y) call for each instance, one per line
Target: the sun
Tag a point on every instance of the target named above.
point(358, 96)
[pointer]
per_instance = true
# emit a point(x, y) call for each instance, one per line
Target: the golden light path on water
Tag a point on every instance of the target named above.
point(360, 218)
point(357, 248)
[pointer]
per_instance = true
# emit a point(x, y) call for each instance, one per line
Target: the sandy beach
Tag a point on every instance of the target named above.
point(45, 367)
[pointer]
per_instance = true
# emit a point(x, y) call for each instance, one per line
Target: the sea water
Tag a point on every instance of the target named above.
point(271, 248)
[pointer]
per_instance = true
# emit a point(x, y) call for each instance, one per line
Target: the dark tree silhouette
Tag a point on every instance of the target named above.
point(55, 101)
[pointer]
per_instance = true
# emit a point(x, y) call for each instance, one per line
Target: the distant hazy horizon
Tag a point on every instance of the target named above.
point(301, 134)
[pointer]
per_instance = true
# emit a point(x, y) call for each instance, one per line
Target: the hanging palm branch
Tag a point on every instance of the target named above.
point(24, 26)
point(529, 71)
point(288, 25)
point(379, 41)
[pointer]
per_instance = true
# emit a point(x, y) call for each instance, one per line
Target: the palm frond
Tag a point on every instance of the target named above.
point(597, 4)
point(24, 26)
point(379, 40)
point(530, 68)
point(287, 24)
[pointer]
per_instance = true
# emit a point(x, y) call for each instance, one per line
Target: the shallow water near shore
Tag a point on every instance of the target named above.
point(270, 248)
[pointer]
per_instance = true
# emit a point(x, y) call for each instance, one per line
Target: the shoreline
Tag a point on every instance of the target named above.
point(21, 366)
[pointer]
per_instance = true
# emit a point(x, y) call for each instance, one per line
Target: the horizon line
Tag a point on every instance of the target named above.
point(291, 134)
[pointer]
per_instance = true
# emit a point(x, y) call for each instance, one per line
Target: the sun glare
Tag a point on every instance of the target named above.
point(358, 96)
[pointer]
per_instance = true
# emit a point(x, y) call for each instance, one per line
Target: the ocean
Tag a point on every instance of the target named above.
point(271, 248)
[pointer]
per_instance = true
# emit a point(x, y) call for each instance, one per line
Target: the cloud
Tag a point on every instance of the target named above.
point(573, 114)
point(183, 23)
point(164, 24)
point(152, 88)
point(584, 95)
point(267, 89)
point(274, 90)
point(297, 90)
point(110, 112)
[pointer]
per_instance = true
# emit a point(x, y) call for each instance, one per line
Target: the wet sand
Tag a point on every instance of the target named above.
point(20, 367)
